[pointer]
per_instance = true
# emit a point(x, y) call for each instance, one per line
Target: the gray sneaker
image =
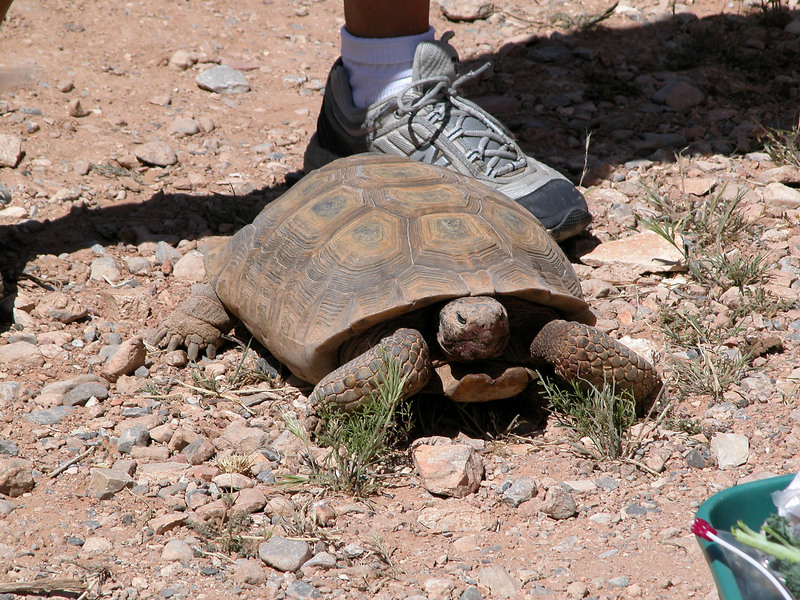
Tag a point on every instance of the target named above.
point(430, 122)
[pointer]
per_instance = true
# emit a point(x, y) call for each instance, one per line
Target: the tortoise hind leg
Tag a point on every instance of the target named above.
point(199, 322)
point(581, 352)
point(353, 382)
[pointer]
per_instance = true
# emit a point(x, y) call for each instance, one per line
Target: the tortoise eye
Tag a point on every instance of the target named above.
point(461, 318)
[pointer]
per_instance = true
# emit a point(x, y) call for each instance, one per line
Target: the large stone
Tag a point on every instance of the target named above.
point(21, 356)
point(455, 516)
point(58, 306)
point(779, 198)
point(448, 470)
point(157, 154)
point(284, 555)
point(730, 449)
point(645, 252)
point(223, 80)
point(16, 477)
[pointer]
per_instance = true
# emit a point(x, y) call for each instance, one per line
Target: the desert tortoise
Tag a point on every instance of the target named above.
point(373, 257)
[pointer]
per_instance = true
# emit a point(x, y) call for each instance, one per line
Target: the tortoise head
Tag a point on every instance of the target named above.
point(473, 328)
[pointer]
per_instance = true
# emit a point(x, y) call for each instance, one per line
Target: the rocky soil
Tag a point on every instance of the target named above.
point(132, 132)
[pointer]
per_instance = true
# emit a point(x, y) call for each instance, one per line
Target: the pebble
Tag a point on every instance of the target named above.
point(129, 356)
point(105, 268)
point(679, 95)
point(321, 560)
point(184, 127)
point(284, 555)
point(223, 80)
point(499, 581)
point(10, 150)
point(80, 394)
point(177, 550)
point(466, 10)
point(471, 593)
point(182, 60)
point(559, 503)
point(521, 490)
point(301, 589)
point(105, 482)
point(190, 268)
point(132, 436)
point(16, 476)
point(250, 572)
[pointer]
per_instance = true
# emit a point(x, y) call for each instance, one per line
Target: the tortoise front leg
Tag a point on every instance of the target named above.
point(579, 352)
point(199, 322)
point(349, 385)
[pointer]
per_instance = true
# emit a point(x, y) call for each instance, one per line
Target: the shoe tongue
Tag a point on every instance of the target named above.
point(435, 59)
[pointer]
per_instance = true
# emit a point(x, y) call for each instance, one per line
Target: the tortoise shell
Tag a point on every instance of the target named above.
point(372, 237)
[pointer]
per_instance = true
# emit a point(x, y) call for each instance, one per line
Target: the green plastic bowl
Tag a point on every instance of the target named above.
point(749, 502)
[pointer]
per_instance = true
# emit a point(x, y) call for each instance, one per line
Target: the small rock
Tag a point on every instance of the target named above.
point(245, 439)
point(679, 95)
point(182, 60)
point(7, 507)
point(223, 80)
point(439, 588)
point(232, 481)
point(190, 267)
point(80, 395)
point(97, 544)
point(75, 109)
point(499, 581)
point(321, 560)
point(284, 555)
point(466, 10)
point(250, 572)
point(130, 355)
point(730, 449)
point(448, 470)
point(249, 501)
point(157, 154)
point(521, 490)
point(559, 503)
point(779, 197)
point(105, 268)
point(454, 516)
point(695, 459)
point(177, 550)
point(471, 593)
point(16, 477)
point(132, 436)
point(167, 522)
point(104, 483)
point(301, 589)
point(10, 150)
point(184, 126)
point(199, 451)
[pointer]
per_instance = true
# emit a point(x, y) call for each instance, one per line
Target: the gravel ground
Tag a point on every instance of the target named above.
point(119, 164)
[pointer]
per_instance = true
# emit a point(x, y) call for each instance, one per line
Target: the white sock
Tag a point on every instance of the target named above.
point(379, 67)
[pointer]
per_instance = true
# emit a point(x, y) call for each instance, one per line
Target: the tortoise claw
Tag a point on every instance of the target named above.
point(192, 350)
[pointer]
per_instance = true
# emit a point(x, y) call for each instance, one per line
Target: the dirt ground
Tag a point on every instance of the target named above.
point(86, 86)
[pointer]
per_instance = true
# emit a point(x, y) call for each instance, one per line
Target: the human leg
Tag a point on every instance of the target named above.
point(399, 95)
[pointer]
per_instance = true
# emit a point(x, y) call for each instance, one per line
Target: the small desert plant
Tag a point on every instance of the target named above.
point(783, 145)
point(600, 414)
point(234, 463)
point(358, 440)
point(713, 373)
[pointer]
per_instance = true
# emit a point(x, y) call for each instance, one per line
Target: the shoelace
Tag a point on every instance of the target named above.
point(439, 90)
